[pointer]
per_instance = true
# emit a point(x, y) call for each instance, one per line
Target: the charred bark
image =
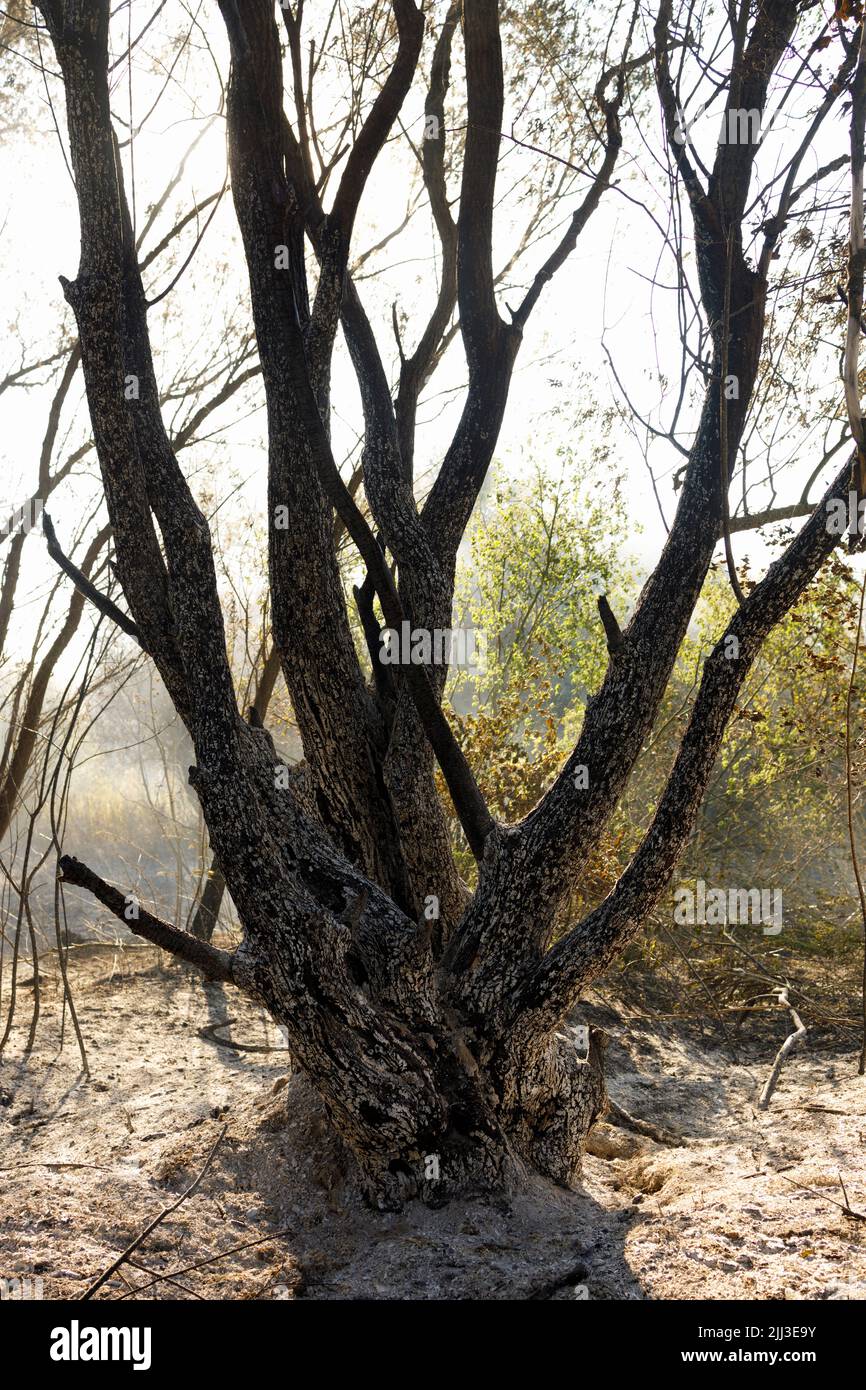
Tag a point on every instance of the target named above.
point(436, 1043)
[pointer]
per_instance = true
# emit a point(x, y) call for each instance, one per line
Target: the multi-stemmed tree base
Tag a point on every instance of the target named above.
point(490, 1147)
point(432, 1042)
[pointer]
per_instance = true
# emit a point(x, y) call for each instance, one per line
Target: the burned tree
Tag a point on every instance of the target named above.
point(423, 1037)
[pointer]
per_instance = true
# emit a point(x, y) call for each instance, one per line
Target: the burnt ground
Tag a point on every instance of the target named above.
point(736, 1203)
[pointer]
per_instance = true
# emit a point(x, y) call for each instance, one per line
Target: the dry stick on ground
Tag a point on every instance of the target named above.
point(200, 1264)
point(763, 973)
point(209, 1034)
point(103, 1167)
point(788, 1045)
point(615, 1115)
point(166, 1211)
point(133, 1288)
point(844, 1191)
point(848, 1210)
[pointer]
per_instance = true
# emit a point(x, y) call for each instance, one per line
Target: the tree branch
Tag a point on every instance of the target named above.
point(856, 266)
point(578, 958)
point(479, 316)
point(601, 181)
point(381, 117)
point(212, 962)
point(90, 591)
point(465, 793)
point(415, 369)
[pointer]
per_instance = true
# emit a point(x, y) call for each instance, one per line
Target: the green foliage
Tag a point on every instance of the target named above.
point(537, 558)
point(774, 810)
point(773, 807)
point(539, 552)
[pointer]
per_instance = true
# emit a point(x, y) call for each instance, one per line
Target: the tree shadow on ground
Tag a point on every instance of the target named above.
point(541, 1243)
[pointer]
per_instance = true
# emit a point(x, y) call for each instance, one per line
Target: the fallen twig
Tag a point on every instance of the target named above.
point(210, 1035)
point(103, 1167)
point(848, 1210)
point(166, 1211)
point(830, 1110)
point(136, 1264)
point(617, 1116)
point(209, 1260)
point(792, 1040)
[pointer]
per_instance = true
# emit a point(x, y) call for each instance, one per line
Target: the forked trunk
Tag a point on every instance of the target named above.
point(422, 1116)
point(429, 1020)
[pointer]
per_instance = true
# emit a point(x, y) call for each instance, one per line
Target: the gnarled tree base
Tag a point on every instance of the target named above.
point(487, 1150)
point(282, 1158)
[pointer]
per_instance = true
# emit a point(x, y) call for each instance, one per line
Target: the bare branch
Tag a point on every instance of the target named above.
point(856, 266)
point(580, 956)
point(381, 117)
point(90, 591)
point(212, 962)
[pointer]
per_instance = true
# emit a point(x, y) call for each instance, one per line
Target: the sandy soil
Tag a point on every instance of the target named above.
point(745, 1206)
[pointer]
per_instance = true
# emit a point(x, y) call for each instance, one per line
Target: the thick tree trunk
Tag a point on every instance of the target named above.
point(435, 1043)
